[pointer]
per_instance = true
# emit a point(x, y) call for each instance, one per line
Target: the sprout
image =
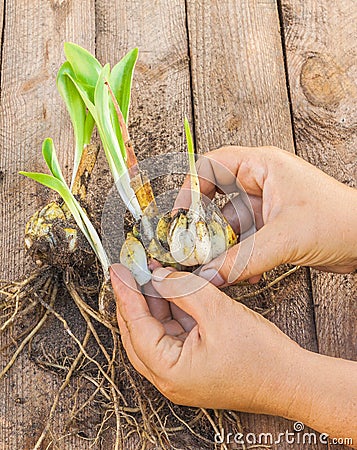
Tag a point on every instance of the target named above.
point(81, 81)
point(198, 235)
point(90, 80)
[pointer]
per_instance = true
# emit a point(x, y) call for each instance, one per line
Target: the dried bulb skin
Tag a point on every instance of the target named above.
point(192, 237)
point(218, 236)
point(162, 230)
point(188, 239)
point(155, 242)
point(202, 242)
point(181, 239)
point(106, 302)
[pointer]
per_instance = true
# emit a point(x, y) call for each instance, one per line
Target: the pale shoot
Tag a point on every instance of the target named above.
point(195, 184)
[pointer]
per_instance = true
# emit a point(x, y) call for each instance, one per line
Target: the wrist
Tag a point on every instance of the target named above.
point(284, 391)
point(344, 235)
point(323, 394)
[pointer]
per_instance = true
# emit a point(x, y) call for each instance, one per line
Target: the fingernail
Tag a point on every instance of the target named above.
point(212, 276)
point(160, 274)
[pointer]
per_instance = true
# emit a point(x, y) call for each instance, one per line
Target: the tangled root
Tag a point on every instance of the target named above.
point(127, 405)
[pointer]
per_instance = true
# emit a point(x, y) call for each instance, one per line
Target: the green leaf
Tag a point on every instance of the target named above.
point(62, 189)
point(101, 96)
point(84, 95)
point(49, 155)
point(73, 101)
point(47, 180)
point(121, 80)
point(85, 66)
point(88, 128)
point(190, 147)
point(195, 185)
point(108, 135)
point(90, 84)
point(82, 121)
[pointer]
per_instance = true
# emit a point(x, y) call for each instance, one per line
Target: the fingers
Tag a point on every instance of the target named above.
point(208, 171)
point(157, 348)
point(125, 337)
point(158, 306)
point(239, 167)
point(176, 323)
point(207, 185)
point(238, 214)
point(185, 320)
point(262, 251)
point(190, 293)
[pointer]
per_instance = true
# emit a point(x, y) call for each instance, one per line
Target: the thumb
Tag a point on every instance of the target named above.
point(189, 292)
point(262, 251)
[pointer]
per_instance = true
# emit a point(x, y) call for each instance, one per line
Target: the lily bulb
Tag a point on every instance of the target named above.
point(197, 238)
point(133, 256)
point(198, 235)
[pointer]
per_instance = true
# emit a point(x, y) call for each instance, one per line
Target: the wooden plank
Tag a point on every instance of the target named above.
point(161, 87)
point(31, 109)
point(2, 25)
point(240, 97)
point(321, 54)
point(161, 94)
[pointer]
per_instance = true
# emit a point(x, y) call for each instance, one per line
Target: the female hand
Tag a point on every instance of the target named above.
point(303, 216)
point(200, 348)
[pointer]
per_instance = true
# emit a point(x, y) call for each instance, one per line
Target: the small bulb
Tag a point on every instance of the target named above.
point(133, 256)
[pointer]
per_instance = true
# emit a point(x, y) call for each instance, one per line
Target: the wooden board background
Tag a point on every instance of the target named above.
point(257, 72)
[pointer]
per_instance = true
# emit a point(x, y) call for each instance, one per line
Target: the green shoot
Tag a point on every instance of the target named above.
point(81, 120)
point(120, 81)
point(58, 184)
point(85, 66)
point(195, 184)
point(90, 81)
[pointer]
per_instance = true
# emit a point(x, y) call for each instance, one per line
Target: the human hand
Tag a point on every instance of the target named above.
point(199, 347)
point(303, 216)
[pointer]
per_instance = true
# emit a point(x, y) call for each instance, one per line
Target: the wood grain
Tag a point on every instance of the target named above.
point(240, 97)
point(321, 55)
point(161, 88)
point(31, 110)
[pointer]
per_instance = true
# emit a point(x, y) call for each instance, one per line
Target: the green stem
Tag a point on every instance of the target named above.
point(195, 183)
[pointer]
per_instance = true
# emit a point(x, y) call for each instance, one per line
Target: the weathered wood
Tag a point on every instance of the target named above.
point(321, 55)
point(31, 110)
point(240, 97)
point(2, 24)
